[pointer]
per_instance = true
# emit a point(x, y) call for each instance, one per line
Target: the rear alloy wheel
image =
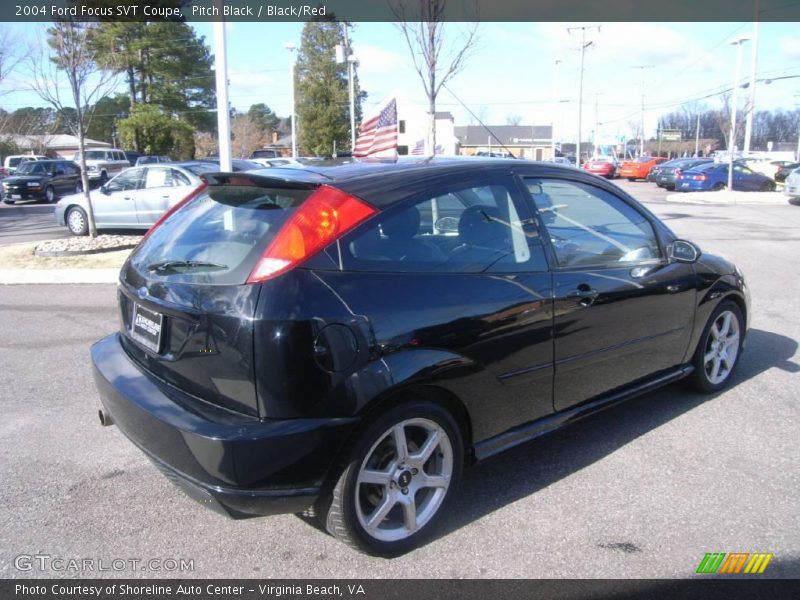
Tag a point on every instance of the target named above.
point(719, 348)
point(49, 194)
point(400, 473)
point(77, 222)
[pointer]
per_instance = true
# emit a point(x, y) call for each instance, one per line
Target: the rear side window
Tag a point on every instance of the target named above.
point(217, 238)
point(468, 230)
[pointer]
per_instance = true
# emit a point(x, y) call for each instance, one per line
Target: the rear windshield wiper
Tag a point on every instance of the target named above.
point(175, 265)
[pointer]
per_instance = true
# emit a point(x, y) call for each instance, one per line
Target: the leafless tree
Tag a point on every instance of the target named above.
point(10, 57)
point(65, 73)
point(435, 59)
point(513, 120)
point(247, 136)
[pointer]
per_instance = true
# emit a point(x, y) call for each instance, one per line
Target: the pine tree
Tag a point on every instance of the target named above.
point(321, 90)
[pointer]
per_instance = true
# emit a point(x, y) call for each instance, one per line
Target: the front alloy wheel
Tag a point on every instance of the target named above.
point(399, 476)
point(720, 348)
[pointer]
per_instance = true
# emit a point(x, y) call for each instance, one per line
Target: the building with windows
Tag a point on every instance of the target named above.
point(523, 141)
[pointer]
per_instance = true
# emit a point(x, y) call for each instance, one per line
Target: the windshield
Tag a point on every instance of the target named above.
point(34, 168)
point(217, 238)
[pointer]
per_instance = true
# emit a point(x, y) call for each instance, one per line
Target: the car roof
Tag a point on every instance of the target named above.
point(382, 182)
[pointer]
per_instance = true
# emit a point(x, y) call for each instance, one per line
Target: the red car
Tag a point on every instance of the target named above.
point(605, 166)
point(639, 168)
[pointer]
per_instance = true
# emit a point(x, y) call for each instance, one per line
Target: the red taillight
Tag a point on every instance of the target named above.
point(677, 173)
point(699, 177)
point(192, 195)
point(324, 217)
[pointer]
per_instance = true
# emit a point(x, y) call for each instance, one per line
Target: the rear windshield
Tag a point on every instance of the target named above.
point(217, 238)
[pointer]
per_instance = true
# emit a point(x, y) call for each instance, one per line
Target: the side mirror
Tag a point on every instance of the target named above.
point(104, 190)
point(683, 251)
point(60, 172)
point(446, 225)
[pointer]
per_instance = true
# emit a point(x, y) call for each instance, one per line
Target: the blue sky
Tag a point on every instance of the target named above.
point(512, 69)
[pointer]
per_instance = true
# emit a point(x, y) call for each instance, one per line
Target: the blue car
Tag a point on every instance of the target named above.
point(714, 177)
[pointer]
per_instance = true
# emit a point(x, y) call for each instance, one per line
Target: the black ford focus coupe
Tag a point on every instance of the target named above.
point(343, 340)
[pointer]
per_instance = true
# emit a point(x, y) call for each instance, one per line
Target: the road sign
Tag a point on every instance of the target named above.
point(671, 135)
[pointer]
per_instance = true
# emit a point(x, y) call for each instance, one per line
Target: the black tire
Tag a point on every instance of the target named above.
point(631, 178)
point(10, 201)
point(77, 221)
point(50, 194)
point(344, 508)
point(103, 178)
point(701, 379)
point(768, 186)
point(718, 187)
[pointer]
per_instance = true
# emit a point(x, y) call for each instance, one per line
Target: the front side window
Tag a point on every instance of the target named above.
point(126, 181)
point(467, 230)
point(589, 226)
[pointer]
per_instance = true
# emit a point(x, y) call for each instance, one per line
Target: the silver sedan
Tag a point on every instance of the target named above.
point(134, 199)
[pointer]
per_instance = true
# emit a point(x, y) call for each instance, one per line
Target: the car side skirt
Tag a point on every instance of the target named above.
point(529, 431)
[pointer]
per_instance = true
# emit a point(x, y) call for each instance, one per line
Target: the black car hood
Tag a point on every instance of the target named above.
point(24, 178)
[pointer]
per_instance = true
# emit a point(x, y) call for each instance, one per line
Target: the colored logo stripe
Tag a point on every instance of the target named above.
point(711, 562)
point(758, 562)
point(733, 563)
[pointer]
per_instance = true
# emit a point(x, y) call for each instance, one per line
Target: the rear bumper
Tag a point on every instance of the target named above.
point(237, 465)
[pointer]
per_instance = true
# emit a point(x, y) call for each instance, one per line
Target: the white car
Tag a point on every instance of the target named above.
point(102, 165)
point(12, 161)
point(134, 199)
point(791, 186)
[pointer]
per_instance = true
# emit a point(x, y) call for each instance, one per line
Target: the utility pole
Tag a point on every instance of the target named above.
point(697, 137)
point(751, 100)
point(641, 136)
point(584, 46)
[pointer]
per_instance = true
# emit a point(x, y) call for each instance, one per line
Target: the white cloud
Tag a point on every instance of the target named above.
point(374, 60)
point(790, 48)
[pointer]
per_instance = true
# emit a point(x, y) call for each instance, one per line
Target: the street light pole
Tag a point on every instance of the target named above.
point(223, 106)
point(734, 105)
point(641, 136)
point(556, 109)
point(291, 48)
point(584, 45)
point(751, 101)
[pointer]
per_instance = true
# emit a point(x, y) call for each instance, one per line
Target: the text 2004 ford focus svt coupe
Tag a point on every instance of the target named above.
point(347, 338)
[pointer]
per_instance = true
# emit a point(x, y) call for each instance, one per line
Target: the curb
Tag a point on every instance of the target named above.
point(62, 253)
point(57, 276)
point(729, 198)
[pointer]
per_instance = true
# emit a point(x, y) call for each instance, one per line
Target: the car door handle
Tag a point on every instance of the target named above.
point(584, 294)
point(127, 198)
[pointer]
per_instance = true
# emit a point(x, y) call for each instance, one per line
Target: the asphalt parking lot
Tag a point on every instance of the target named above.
point(642, 490)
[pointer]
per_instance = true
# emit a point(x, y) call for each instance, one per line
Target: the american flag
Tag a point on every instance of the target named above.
point(419, 148)
point(377, 136)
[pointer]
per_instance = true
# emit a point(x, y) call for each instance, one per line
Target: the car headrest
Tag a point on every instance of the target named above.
point(403, 225)
point(476, 227)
